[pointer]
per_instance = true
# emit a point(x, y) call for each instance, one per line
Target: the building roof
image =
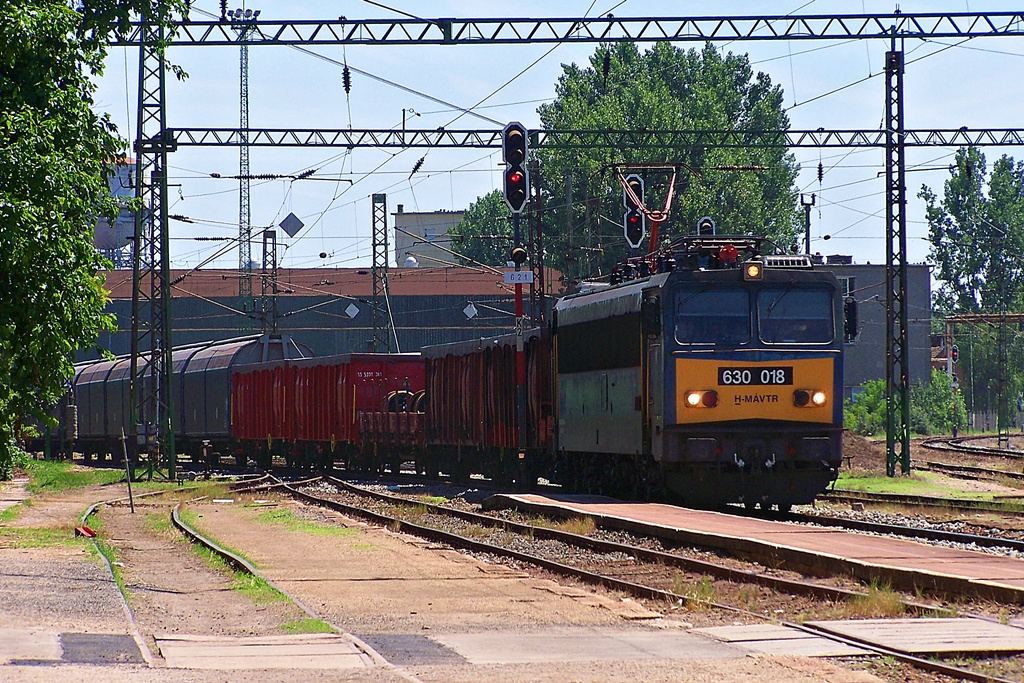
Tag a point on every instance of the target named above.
point(355, 282)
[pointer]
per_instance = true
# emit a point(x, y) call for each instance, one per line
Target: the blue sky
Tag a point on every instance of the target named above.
point(976, 85)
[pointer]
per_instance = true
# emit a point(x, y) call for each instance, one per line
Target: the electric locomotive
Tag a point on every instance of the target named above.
point(716, 380)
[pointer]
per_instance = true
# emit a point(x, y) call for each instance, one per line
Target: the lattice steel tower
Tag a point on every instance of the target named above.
point(243, 21)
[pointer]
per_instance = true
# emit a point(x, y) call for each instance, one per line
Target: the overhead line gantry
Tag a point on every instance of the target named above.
point(344, 31)
point(588, 139)
point(151, 299)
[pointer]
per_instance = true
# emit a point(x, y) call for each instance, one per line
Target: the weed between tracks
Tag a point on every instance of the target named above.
point(290, 521)
point(307, 625)
point(699, 594)
point(880, 601)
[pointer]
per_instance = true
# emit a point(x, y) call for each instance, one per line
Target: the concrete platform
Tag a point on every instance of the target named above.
point(583, 645)
point(307, 651)
point(902, 563)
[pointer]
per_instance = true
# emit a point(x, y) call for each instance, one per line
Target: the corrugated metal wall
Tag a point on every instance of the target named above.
point(322, 323)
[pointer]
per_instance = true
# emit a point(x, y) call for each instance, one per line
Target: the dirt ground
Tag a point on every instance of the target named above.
point(369, 581)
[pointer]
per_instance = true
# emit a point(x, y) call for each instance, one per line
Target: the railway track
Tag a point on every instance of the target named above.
point(962, 444)
point(631, 568)
point(973, 472)
point(1013, 505)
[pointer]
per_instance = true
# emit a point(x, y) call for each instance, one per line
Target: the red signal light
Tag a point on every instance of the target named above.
point(515, 177)
point(634, 218)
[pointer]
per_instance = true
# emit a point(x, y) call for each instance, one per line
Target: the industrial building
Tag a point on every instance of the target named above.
point(866, 355)
point(329, 309)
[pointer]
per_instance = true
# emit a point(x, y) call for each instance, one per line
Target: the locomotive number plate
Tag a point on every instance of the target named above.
point(755, 376)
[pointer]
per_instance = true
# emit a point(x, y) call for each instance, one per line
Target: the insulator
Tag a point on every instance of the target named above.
point(607, 66)
point(346, 79)
point(417, 166)
point(223, 10)
point(821, 172)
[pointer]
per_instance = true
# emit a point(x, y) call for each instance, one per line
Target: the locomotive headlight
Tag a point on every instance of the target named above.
point(809, 398)
point(701, 399)
point(753, 271)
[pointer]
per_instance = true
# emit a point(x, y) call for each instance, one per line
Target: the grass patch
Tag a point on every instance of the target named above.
point(111, 554)
point(307, 625)
point(257, 589)
point(11, 513)
point(160, 522)
point(288, 519)
point(917, 484)
point(253, 587)
point(12, 537)
point(880, 601)
point(433, 500)
point(55, 476)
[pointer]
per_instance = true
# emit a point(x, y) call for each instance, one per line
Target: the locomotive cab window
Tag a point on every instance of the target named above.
point(712, 317)
point(788, 315)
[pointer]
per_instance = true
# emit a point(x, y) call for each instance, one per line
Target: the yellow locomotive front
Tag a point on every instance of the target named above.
point(753, 391)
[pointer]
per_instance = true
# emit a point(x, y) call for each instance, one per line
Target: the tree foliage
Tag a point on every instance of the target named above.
point(933, 407)
point(54, 156)
point(484, 234)
point(976, 232)
point(664, 88)
point(976, 238)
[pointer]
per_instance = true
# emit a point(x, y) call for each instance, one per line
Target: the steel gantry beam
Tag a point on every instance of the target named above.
point(590, 139)
point(343, 31)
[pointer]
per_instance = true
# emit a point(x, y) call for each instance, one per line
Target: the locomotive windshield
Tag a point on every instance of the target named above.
point(712, 317)
point(788, 315)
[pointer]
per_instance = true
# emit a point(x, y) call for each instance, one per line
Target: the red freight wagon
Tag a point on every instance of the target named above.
point(472, 412)
point(309, 408)
point(369, 380)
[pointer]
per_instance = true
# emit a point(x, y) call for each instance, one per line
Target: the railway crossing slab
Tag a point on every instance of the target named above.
point(962, 636)
point(36, 644)
point(902, 563)
point(946, 637)
point(307, 651)
point(776, 639)
point(583, 645)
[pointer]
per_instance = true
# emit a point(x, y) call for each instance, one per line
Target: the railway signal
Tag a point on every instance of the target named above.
point(634, 221)
point(956, 353)
point(514, 151)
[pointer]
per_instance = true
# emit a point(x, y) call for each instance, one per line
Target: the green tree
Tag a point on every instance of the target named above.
point(484, 234)
point(977, 240)
point(976, 232)
point(54, 156)
point(865, 412)
point(665, 88)
point(933, 407)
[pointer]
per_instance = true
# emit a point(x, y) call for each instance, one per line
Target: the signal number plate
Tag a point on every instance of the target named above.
point(755, 376)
